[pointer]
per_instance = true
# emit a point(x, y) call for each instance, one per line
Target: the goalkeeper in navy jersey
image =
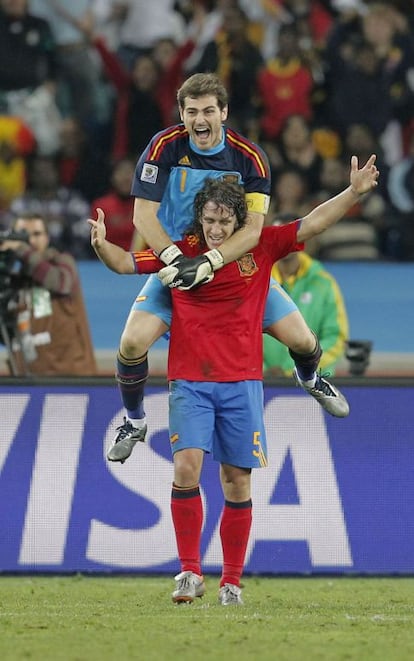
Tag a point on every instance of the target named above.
point(168, 175)
point(215, 363)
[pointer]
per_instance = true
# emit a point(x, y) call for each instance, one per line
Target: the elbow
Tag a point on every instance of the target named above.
point(117, 270)
point(121, 268)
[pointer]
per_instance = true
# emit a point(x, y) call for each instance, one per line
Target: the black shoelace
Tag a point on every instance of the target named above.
point(324, 386)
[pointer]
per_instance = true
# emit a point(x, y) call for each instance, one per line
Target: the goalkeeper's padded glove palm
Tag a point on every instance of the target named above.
point(186, 273)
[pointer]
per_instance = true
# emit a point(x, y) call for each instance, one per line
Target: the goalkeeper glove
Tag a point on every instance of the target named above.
point(187, 272)
point(170, 254)
point(215, 258)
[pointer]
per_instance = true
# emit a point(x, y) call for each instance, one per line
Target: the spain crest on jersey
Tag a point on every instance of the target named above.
point(192, 240)
point(247, 265)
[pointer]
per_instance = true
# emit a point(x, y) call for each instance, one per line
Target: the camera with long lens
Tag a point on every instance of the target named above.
point(12, 235)
point(10, 280)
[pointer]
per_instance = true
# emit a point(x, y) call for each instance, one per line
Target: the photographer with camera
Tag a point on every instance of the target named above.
point(42, 305)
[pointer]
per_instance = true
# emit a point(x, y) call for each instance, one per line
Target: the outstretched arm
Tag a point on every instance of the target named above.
point(323, 216)
point(115, 258)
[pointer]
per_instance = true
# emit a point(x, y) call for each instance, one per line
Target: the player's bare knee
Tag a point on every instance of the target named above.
point(304, 344)
point(186, 476)
point(187, 467)
point(235, 483)
point(132, 344)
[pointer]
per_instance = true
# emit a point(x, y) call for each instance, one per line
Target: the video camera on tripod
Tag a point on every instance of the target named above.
point(11, 281)
point(9, 275)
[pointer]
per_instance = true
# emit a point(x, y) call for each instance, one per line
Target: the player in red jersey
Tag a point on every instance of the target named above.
point(215, 365)
point(168, 175)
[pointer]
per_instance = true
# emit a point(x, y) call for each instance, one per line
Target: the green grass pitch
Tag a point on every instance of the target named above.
point(89, 618)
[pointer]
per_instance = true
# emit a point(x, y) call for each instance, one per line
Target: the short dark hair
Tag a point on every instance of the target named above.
point(30, 216)
point(203, 84)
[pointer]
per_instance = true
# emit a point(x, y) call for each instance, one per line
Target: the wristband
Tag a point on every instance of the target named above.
point(170, 254)
point(215, 258)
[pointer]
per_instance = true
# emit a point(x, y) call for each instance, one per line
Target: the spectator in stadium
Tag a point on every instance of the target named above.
point(51, 334)
point(78, 73)
point(377, 211)
point(236, 61)
point(28, 71)
point(143, 24)
point(356, 236)
point(63, 209)
point(319, 298)
point(27, 48)
point(136, 96)
point(17, 142)
point(313, 18)
point(82, 166)
point(148, 87)
point(386, 28)
point(118, 205)
point(211, 24)
point(172, 58)
point(360, 140)
point(401, 194)
point(290, 195)
point(361, 81)
point(369, 59)
point(108, 16)
point(284, 85)
point(214, 370)
point(297, 149)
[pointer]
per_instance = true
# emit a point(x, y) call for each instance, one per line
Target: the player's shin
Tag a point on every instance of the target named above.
point(235, 528)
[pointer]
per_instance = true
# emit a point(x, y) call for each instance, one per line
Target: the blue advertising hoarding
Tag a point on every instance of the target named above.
point(337, 496)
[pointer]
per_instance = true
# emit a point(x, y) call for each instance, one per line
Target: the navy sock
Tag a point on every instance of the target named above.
point(307, 364)
point(132, 374)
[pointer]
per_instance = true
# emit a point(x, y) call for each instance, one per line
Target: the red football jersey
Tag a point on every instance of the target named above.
point(216, 330)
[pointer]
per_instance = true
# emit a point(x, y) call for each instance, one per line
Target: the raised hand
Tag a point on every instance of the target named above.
point(365, 179)
point(98, 229)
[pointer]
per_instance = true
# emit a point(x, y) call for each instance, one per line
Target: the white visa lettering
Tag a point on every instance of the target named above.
point(53, 480)
point(318, 518)
point(12, 408)
point(148, 474)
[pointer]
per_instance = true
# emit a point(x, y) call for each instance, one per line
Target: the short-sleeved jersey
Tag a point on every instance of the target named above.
point(216, 330)
point(172, 170)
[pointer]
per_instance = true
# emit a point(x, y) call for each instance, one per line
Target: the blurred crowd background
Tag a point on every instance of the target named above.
point(84, 85)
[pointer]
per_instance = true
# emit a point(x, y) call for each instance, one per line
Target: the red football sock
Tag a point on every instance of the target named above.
point(235, 527)
point(187, 516)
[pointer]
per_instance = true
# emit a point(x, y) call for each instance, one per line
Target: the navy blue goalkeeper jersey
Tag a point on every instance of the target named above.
point(172, 170)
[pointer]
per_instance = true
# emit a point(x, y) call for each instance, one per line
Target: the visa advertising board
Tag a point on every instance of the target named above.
point(337, 496)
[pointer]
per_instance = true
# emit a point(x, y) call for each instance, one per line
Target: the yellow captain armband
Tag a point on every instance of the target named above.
point(258, 202)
